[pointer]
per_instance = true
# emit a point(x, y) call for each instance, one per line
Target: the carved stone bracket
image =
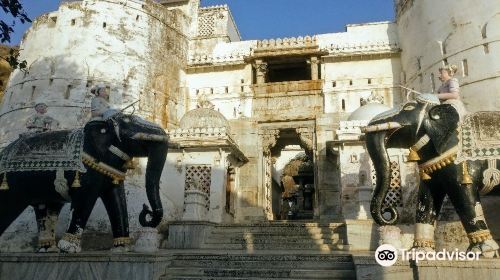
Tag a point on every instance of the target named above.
point(306, 138)
point(269, 139)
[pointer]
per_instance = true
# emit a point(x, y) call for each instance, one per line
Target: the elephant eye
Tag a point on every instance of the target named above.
point(409, 107)
point(103, 130)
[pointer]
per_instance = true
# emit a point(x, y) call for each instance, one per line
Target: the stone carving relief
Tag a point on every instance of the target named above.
point(269, 139)
point(306, 138)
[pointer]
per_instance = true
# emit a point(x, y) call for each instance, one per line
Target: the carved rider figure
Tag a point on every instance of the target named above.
point(40, 122)
point(449, 91)
point(99, 106)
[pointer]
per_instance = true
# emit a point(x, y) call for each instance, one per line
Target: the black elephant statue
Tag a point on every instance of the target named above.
point(432, 132)
point(96, 170)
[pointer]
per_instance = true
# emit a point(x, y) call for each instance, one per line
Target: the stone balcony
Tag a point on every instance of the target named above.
point(289, 86)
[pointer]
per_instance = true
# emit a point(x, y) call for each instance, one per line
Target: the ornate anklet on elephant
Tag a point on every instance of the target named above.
point(455, 160)
point(93, 162)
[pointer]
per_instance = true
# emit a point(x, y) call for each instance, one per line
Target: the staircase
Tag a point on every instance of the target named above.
point(278, 235)
point(268, 250)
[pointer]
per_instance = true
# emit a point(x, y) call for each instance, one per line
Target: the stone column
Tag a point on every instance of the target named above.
point(314, 62)
point(269, 139)
point(260, 71)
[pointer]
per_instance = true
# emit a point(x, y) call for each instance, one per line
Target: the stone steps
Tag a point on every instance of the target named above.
point(292, 265)
point(280, 246)
point(277, 235)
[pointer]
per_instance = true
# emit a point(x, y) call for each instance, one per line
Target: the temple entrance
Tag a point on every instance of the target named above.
point(289, 174)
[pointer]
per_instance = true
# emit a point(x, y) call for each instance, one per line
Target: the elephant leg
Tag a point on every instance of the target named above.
point(465, 199)
point(430, 200)
point(83, 200)
point(116, 205)
point(10, 209)
point(46, 217)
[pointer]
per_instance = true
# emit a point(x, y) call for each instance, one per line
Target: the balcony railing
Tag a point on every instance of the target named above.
point(289, 86)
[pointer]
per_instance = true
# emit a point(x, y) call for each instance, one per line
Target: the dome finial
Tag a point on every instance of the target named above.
point(373, 98)
point(204, 103)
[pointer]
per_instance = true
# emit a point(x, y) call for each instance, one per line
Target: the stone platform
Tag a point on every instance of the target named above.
point(234, 264)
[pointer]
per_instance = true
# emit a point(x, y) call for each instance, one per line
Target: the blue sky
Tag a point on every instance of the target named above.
point(261, 19)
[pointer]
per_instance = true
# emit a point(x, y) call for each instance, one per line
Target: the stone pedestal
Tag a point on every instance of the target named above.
point(148, 241)
point(195, 206)
point(364, 199)
point(188, 235)
point(390, 235)
point(362, 235)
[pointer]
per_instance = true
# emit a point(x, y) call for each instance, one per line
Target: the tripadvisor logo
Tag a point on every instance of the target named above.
point(387, 255)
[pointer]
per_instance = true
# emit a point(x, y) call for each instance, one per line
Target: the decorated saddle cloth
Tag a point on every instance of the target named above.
point(47, 151)
point(479, 139)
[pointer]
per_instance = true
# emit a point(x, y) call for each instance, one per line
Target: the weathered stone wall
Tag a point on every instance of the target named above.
point(5, 69)
point(455, 32)
point(138, 48)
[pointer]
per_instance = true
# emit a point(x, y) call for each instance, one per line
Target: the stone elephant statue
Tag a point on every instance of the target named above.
point(431, 131)
point(107, 146)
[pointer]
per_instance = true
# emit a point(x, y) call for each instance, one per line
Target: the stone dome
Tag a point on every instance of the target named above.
point(203, 118)
point(368, 112)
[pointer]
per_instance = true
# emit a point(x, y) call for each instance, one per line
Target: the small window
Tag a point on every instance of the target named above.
point(73, 22)
point(242, 89)
point(465, 68)
point(433, 82)
point(104, 25)
point(369, 81)
point(242, 81)
point(350, 82)
point(67, 92)
point(343, 104)
point(486, 48)
point(137, 17)
point(33, 89)
point(419, 64)
point(211, 90)
point(334, 84)
point(226, 89)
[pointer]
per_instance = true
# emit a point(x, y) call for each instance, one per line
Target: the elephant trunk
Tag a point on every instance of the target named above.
point(156, 160)
point(375, 143)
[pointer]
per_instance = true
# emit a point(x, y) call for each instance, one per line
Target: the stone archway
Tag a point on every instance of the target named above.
point(273, 138)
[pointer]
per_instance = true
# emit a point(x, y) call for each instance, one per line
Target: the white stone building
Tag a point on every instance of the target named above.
point(267, 94)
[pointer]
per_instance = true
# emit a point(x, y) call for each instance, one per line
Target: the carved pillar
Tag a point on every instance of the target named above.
point(314, 62)
point(260, 71)
point(306, 137)
point(269, 139)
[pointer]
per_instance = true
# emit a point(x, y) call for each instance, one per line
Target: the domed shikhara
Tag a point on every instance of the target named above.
point(368, 111)
point(203, 118)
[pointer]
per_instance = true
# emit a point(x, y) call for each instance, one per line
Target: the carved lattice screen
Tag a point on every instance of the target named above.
point(395, 194)
point(198, 177)
point(206, 25)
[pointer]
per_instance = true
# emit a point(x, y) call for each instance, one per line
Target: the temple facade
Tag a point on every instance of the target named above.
point(267, 129)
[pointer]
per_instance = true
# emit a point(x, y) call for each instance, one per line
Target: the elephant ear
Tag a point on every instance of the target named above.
point(440, 125)
point(99, 135)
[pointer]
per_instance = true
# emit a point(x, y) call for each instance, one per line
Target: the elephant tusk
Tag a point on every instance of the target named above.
point(150, 137)
point(103, 168)
point(380, 127)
